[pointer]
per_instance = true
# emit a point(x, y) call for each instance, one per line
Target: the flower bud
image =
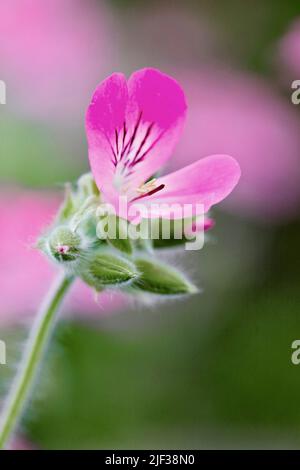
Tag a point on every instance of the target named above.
point(87, 186)
point(106, 269)
point(162, 279)
point(114, 230)
point(64, 244)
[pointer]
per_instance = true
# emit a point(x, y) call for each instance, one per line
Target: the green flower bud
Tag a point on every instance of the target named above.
point(64, 244)
point(79, 200)
point(68, 207)
point(161, 279)
point(87, 186)
point(172, 235)
point(106, 269)
point(119, 239)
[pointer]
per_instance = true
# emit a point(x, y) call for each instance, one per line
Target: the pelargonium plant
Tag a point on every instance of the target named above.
point(113, 221)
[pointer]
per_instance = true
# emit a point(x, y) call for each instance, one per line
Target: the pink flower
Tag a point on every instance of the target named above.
point(200, 226)
point(132, 129)
point(52, 53)
point(289, 51)
point(20, 443)
point(25, 274)
point(175, 35)
point(242, 115)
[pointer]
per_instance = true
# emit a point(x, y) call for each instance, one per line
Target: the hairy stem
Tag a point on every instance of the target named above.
point(33, 354)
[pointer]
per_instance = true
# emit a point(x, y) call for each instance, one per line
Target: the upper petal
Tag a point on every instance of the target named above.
point(104, 119)
point(158, 103)
point(106, 111)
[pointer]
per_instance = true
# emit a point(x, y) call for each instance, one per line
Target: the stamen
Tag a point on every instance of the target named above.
point(146, 187)
point(153, 191)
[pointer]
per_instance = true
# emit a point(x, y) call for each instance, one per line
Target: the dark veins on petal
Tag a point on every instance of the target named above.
point(122, 148)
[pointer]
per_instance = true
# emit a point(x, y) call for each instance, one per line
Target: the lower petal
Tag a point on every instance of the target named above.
point(200, 186)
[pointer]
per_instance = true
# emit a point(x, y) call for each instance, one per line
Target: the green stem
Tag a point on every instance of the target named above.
point(33, 354)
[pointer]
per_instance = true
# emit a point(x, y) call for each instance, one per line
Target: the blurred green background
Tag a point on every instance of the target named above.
point(212, 371)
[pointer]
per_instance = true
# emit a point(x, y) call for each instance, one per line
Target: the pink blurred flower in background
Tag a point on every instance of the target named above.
point(289, 51)
point(25, 275)
point(178, 36)
point(241, 115)
point(52, 54)
point(20, 443)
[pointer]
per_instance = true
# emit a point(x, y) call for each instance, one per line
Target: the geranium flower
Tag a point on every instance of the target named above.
point(132, 129)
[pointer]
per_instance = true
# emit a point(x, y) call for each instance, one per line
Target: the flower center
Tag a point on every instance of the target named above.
point(147, 187)
point(130, 147)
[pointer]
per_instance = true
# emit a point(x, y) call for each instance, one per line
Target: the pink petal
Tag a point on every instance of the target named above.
point(133, 128)
point(160, 101)
point(205, 224)
point(208, 224)
point(207, 181)
point(105, 116)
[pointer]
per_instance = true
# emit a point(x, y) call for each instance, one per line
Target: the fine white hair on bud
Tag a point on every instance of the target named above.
point(87, 186)
point(108, 270)
point(161, 279)
point(64, 245)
